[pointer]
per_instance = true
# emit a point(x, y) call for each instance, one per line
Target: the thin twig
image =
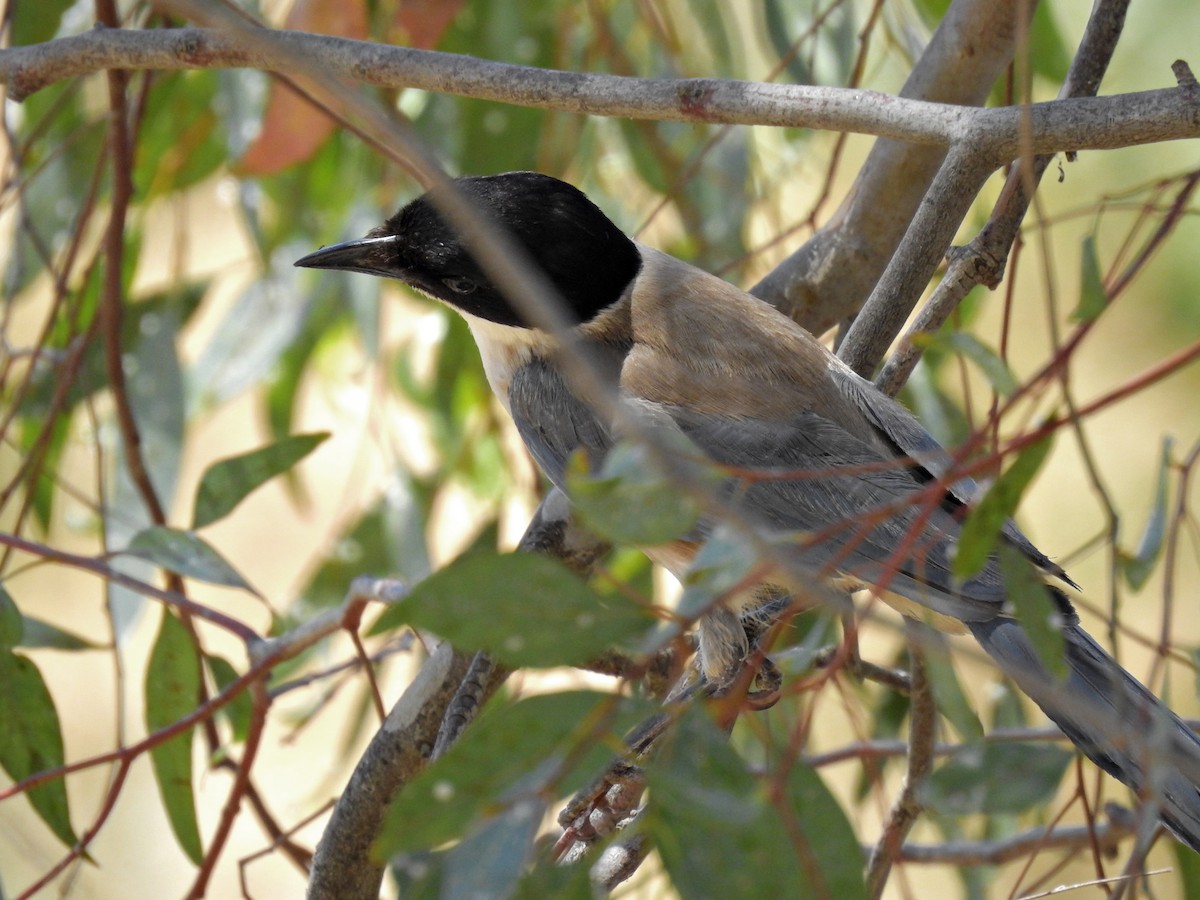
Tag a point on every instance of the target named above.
point(998, 852)
point(921, 739)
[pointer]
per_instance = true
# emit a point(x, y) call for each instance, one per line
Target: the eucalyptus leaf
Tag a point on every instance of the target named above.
point(1092, 297)
point(31, 740)
point(1039, 615)
point(721, 832)
point(1137, 567)
point(489, 861)
point(524, 608)
point(995, 369)
point(42, 635)
point(172, 691)
point(33, 23)
point(630, 501)
point(185, 554)
point(982, 528)
point(240, 709)
point(254, 334)
point(389, 539)
point(227, 482)
point(996, 778)
point(155, 393)
point(513, 751)
point(12, 625)
point(948, 694)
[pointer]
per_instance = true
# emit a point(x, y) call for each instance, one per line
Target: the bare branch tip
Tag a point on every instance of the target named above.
point(1183, 74)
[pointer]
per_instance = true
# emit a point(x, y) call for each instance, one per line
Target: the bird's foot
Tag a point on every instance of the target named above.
point(608, 804)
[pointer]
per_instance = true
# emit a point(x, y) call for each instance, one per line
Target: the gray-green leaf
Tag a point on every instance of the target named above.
point(31, 740)
point(978, 536)
point(185, 554)
point(172, 691)
point(227, 482)
point(526, 609)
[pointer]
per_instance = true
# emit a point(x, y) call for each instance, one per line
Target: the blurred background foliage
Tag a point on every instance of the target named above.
point(227, 349)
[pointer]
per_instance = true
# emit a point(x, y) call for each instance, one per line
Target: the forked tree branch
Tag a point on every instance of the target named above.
point(983, 260)
point(832, 274)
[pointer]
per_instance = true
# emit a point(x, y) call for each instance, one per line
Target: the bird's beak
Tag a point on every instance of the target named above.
point(372, 255)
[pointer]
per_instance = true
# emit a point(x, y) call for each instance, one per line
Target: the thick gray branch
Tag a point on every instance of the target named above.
point(997, 135)
point(983, 260)
point(342, 866)
point(916, 259)
point(833, 273)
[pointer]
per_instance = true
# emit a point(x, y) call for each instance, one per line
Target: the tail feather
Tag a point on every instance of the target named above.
point(1111, 717)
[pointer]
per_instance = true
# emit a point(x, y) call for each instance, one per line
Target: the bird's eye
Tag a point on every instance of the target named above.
point(459, 285)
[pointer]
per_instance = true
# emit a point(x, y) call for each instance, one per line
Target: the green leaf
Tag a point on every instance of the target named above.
point(240, 709)
point(1187, 867)
point(995, 369)
point(31, 740)
point(12, 626)
point(481, 136)
point(418, 875)
point(283, 390)
point(227, 482)
point(512, 752)
point(172, 691)
point(996, 778)
point(45, 636)
point(948, 694)
point(66, 135)
point(1048, 52)
point(562, 882)
point(524, 608)
point(827, 843)
point(890, 712)
point(181, 140)
point(1137, 568)
point(631, 501)
point(721, 565)
point(155, 387)
point(721, 833)
point(1040, 617)
point(185, 554)
point(1092, 297)
point(33, 23)
point(805, 637)
point(783, 31)
point(988, 515)
point(490, 860)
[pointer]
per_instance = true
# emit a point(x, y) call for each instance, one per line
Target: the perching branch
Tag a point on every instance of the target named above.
point(342, 866)
point(448, 692)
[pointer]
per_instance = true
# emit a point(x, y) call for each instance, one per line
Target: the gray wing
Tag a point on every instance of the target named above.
point(857, 511)
point(870, 517)
point(901, 429)
point(553, 422)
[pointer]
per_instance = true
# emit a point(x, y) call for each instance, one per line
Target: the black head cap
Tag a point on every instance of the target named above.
point(585, 256)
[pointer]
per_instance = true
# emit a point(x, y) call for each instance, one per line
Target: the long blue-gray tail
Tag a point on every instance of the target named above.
point(1111, 717)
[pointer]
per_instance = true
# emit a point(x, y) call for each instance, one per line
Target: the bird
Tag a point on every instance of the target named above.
point(851, 468)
